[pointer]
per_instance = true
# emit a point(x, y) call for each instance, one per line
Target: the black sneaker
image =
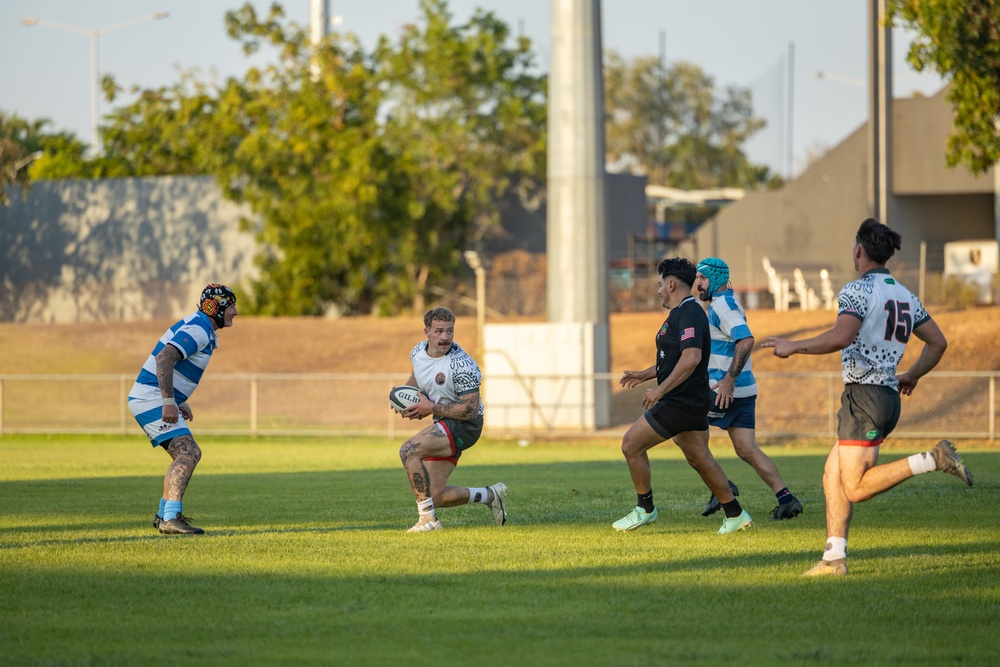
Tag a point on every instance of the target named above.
point(157, 520)
point(787, 510)
point(714, 505)
point(179, 526)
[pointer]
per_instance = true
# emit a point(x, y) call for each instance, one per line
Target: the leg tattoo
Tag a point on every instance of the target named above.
point(186, 454)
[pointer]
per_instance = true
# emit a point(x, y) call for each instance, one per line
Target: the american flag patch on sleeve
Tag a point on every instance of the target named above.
point(687, 333)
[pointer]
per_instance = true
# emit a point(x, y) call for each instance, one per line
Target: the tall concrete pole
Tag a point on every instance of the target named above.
point(879, 111)
point(576, 236)
point(319, 22)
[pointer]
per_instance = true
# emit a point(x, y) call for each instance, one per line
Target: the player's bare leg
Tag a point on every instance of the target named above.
point(694, 444)
point(863, 479)
point(185, 454)
point(638, 440)
point(745, 443)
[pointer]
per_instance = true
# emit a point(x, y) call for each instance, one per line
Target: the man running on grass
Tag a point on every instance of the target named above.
point(876, 319)
point(448, 379)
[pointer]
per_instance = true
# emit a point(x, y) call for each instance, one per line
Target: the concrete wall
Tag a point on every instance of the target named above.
point(131, 249)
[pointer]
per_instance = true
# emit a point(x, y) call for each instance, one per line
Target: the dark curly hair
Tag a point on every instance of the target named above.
point(878, 241)
point(679, 268)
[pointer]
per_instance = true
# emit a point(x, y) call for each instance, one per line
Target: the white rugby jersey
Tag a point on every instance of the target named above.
point(889, 313)
point(727, 323)
point(195, 337)
point(447, 377)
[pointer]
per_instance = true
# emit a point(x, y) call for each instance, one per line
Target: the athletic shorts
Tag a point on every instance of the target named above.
point(741, 413)
point(461, 435)
point(868, 414)
point(149, 413)
point(668, 419)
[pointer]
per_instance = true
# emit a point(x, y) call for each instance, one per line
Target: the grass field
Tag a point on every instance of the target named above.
point(306, 562)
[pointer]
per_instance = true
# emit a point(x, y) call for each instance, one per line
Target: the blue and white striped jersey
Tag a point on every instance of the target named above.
point(727, 323)
point(195, 337)
point(889, 313)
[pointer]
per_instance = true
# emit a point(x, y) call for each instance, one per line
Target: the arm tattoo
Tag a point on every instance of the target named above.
point(740, 356)
point(463, 409)
point(165, 361)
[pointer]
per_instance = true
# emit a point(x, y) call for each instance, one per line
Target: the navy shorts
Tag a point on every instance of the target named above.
point(741, 413)
point(668, 419)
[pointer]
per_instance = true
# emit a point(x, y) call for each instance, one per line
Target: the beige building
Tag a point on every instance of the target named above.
point(810, 223)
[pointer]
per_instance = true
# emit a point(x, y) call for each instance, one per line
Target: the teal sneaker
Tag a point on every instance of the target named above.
point(735, 524)
point(635, 519)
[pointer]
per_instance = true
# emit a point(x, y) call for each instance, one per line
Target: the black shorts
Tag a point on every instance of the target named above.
point(668, 418)
point(461, 435)
point(868, 414)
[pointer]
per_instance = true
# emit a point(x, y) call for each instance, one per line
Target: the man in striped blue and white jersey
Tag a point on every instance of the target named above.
point(158, 399)
point(731, 376)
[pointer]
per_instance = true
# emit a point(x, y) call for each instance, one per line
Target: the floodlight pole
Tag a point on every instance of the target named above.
point(472, 259)
point(94, 34)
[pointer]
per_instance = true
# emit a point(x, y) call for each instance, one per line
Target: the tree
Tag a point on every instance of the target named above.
point(465, 125)
point(672, 124)
point(28, 151)
point(370, 173)
point(960, 39)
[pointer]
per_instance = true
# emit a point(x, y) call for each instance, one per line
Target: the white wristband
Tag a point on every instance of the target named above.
point(170, 400)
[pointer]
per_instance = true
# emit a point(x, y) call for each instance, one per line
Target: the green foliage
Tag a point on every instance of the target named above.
point(306, 561)
point(28, 151)
point(369, 174)
point(960, 39)
point(672, 124)
point(464, 125)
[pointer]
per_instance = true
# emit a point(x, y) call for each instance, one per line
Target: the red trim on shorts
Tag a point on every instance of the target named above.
point(861, 443)
point(451, 441)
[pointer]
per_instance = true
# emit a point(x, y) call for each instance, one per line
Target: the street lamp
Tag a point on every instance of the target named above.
point(94, 34)
point(472, 259)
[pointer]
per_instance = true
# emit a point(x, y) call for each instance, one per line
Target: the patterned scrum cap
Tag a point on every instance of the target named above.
point(215, 298)
point(716, 271)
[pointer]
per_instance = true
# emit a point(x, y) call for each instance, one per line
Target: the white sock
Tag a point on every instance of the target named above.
point(921, 463)
point(426, 509)
point(479, 495)
point(836, 548)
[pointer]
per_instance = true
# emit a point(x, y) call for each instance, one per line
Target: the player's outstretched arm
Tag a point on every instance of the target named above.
point(934, 346)
point(836, 339)
point(634, 378)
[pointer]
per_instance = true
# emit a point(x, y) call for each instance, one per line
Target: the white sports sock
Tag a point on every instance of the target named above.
point(479, 495)
point(426, 509)
point(836, 548)
point(921, 463)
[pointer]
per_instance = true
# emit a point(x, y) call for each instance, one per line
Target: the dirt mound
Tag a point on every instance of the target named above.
point(382, 345)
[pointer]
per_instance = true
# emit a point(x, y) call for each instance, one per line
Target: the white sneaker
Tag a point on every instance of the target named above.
point(499, 511)
point(423, 526)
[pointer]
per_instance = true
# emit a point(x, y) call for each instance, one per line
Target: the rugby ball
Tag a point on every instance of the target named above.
point(403, 397)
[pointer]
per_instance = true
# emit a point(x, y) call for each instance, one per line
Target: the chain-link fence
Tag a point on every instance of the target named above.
point(956, 404)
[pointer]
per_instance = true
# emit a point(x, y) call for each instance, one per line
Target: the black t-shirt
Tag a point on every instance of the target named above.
point(686, 326)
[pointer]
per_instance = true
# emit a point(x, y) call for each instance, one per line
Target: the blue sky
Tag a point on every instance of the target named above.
point(47, 72)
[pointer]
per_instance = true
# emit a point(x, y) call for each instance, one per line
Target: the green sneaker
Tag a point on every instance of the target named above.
point(735, 524)
point(635, 519)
